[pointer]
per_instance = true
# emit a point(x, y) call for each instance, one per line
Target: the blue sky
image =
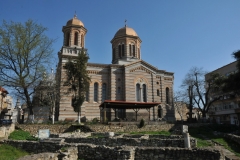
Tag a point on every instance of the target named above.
point(176, 34)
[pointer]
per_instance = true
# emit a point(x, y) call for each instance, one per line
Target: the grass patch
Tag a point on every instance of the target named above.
point(207, 131)
point(230, 145)
point(22, 135)
point(203, 143)
point(11, 153)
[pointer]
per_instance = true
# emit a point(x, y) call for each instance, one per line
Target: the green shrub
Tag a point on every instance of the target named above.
point(22, 135)
point(142, 123)
point(95, 120)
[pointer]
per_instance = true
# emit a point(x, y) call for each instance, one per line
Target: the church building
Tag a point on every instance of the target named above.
point(129, 88)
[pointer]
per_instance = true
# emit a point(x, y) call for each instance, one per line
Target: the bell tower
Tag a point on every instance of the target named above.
point(74, 34)
point(126, 46)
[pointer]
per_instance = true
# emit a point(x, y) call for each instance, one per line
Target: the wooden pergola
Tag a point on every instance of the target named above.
point(136, 106)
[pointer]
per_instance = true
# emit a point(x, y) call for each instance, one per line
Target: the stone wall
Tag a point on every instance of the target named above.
point(91, 152)
point(233, 137)
point(54, 129)
point(177, 154)
point(167, 141)
point(6, 130)
point(131, 128)
point(59, 128)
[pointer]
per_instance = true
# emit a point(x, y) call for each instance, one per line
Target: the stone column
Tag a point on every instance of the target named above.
point(186, 140)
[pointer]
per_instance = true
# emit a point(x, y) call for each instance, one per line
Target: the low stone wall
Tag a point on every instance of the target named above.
point(178, 154)
point(132, 128)
point(54, 129)
point(152, 142)
point(58, 128)
point(92, 152)
point(233, 137)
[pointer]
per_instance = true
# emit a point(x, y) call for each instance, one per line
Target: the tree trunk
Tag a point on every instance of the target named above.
point(79, 117)
point(190, 94)
point(204, 116)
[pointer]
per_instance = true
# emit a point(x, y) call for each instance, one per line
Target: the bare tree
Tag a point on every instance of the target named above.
point(25, 51)
point(47, 94)
point(199, 89)
point(179, 104)
point(188, 92)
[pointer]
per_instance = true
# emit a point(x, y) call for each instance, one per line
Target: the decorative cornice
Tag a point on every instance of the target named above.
point(168, 79)
point(96, 72)
point(99, 65)
point(141, 68)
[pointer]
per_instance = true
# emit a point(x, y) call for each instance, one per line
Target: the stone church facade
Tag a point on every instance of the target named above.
point(127, 79)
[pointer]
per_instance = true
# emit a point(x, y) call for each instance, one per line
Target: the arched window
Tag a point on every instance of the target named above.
point(138, 53)
point(82, 41)
point(119, 51)
point(144, 93)
point(130, 49)
point(67, 39)
point(104, 92)
point(76, 38)
point(167, 95)
point(122, 50)
point(138, 93)
point(158, 92)
point(133, 50)
point(95, 91)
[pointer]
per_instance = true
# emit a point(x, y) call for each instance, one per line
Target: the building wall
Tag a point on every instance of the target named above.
point(227, 109)
point(126, 79)
point(120, 77)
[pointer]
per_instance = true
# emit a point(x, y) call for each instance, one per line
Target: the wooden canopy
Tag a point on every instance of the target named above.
point(136, 106)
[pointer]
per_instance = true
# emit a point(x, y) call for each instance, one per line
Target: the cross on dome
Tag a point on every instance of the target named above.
point(75, 15)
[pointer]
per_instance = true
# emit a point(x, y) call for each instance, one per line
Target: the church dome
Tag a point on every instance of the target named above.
point(125, 31)
point(75, 21)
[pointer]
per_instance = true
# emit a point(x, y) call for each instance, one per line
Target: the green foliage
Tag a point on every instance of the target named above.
point(232, 82)
point(64, 149)
point(25, 51)
point(11, 153)
point(236, 55)
point(95, 120)
point(78, 79)
point(142, 123)
point(21, 135)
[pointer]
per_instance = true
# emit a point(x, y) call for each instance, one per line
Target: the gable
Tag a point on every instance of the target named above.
point(140, 66)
